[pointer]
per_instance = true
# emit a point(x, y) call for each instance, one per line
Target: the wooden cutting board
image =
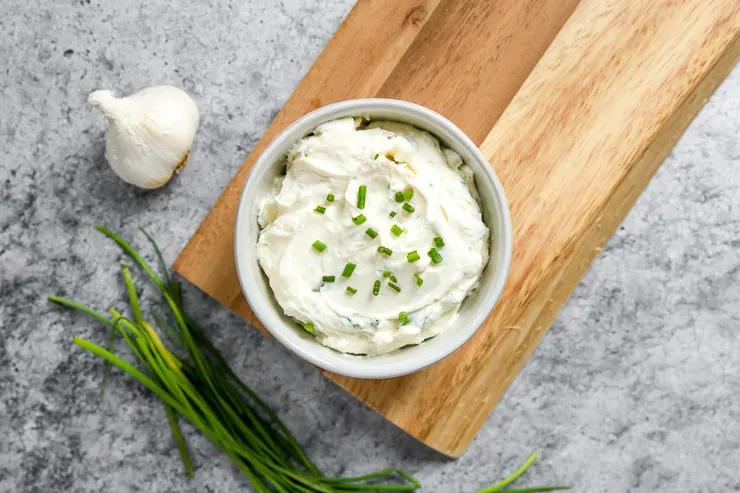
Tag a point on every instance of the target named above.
point(576, 104)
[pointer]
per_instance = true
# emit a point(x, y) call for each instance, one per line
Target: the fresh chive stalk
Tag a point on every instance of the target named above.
point(413, 256)
point(361, 194)
point(376, 288)
point(408, 208)
point(348, 270)
point(371, 233)
point(319, 246)
point(393, 214)
point(202, 388)
point(419, 280)
point(395, 287)
point(376, 156)
point(386, 273)
point(396, 230)
point(351, 290)
point(408, 194)
point(329, 278)
point(393, 278)
point(330, 197)
point(403, 317)
point(399, 196)
point(359, 219)
point(439, 242)
point(321, 209)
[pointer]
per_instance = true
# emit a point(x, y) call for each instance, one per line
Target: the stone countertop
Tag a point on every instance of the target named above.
point(635, 388)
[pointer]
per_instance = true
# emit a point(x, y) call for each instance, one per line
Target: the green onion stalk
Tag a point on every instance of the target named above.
point(202, 389)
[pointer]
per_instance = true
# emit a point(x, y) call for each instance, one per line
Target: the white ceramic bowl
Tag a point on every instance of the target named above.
point(474, 309)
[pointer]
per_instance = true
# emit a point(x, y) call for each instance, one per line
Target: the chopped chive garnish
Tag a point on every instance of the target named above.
point(320, 209)
point(396, 287)
point(408, 208)
point(376, 156)
point(413, 256)
point(392, 214)
point(371, 232)
point(308, 327)
point(403, 317)
point(387, 251)
point(393, 278)
point(434, 254)
point(361, 193)
point(329, 278)
point(390, 137)
point(399, 196)
point(351, 290)
point(419, 280)
point(330, 197)
point(407, 194)
point(359, 219)
point(319, 246)
point(348, 270)
point(439, 241)
point(386, 273)
point(376, 288)
point(396, 230)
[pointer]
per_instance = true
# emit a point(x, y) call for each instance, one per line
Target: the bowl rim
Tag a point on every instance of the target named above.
point(358, 107)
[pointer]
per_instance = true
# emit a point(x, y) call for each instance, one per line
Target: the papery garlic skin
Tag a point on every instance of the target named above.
point(149, 133)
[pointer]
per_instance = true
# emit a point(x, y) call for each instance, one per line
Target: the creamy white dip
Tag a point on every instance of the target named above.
point(385, 157)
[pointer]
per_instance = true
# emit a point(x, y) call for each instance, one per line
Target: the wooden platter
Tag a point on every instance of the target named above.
point(575, 104)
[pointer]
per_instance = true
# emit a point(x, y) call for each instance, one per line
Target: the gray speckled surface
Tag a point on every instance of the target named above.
point(635, 388)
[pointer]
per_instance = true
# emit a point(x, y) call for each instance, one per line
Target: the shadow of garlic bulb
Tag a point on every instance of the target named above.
point(149, 133)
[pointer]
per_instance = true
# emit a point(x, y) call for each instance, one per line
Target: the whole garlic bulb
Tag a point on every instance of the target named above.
point(149, 133)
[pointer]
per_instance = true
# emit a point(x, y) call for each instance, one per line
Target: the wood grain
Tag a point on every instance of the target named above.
point(574, 148)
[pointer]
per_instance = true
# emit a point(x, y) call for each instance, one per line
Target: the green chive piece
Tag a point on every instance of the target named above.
point(376, 156)
point(403, 317)
point(393, 278)
point(361, 193)
point(396, 287)
point(308, 327)
point(399, 196)
point(439, 241)
point(320, 209)
point(371, 233)
point(376, 288)
point(348, 270)
point(319, 246)
point(387, 251)
point(408, 194)
point(434, 254)
point(386, 273)
point(330, 197)
point(413, 256)
point(419, 280)
point(351, 290)
point(408, 208)
point(392, 214)
point(396, 230)
point(329, 278)
point(359, 219)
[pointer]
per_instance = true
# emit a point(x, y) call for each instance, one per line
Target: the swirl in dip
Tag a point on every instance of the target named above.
point(315, 224)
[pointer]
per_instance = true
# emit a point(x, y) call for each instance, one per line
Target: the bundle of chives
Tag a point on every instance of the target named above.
point(205, 391)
